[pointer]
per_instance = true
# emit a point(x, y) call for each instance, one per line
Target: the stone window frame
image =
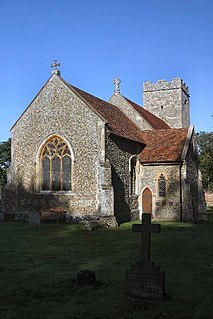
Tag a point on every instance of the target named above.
point(39, 166)
point(133, 173)
point(157, 184)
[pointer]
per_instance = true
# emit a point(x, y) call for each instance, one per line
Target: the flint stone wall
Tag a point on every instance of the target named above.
point(119, 152)
point(192, 175)
point(163, 208)
point(56, 110)
point(194, 206)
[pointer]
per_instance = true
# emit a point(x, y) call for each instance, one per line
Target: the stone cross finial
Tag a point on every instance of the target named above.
point(145, 229)
point(117, 82)
point(55, 65)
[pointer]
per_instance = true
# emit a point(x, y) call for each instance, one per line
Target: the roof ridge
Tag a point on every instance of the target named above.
point(118, 122)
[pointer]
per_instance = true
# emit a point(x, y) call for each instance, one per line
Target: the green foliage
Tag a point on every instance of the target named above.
point(205, 151)
point(38, 268)
point(5, 157)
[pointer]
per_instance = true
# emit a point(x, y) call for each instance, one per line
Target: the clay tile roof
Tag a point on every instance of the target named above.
point(163, 145)
point(117, 121)
point(153, 120)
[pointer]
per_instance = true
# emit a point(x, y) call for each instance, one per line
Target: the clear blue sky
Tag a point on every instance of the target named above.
point(97, 40)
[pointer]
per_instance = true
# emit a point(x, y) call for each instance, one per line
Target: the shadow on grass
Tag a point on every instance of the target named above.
point(38, 268)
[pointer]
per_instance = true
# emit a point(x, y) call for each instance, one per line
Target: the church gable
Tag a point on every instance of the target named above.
point(123, 104)
point(155, 122)
point(54, 104)
point(58, 111)
point(142, 118)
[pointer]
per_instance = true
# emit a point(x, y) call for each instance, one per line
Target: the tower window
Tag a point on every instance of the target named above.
point(55, 166)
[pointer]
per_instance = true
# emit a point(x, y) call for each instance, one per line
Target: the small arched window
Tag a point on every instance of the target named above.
point(162, 186)
point(55, 164)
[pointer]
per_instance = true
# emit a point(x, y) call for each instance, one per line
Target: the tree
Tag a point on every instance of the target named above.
point(205, 156)
point(5, 158)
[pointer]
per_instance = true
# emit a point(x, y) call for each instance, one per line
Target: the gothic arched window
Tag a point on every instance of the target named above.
point(56, 165)
point(162, 186)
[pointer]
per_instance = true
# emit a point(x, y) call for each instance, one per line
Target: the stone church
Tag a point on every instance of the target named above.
point(108, 161)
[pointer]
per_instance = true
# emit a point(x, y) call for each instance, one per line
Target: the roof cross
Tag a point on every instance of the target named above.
point(55, 65)
point(145, 229)
point(117, 82)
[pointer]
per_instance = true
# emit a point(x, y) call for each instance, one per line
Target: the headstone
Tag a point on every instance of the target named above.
point(34, 219)
point(1, 216)
point(144, 279)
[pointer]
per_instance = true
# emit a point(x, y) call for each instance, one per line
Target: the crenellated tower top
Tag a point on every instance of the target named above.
point(160, 85)
point(168, 100)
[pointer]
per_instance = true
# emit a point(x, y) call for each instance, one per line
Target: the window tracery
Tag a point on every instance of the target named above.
point(56, 164)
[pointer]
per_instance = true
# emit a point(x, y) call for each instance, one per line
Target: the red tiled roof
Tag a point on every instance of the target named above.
point(117, 121)
point(154, 121)
point(163, 145)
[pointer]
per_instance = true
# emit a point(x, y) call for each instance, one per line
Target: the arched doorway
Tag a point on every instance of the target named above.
point(147, 201)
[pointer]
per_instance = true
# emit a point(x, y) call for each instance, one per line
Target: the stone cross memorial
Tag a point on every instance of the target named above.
point(145, 279)
point(145, 229)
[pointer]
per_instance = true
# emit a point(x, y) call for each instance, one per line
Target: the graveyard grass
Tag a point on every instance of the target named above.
point(38, 270)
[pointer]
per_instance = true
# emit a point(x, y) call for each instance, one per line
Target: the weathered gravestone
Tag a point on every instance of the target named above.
point(145, 279)
point(34, 219)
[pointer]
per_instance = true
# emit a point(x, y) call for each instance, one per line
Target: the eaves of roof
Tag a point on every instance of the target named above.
point(164, 146)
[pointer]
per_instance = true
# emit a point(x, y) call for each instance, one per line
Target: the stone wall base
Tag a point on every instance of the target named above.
point(91, 222)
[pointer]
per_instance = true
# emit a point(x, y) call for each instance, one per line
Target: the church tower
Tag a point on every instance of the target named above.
point(169, 101)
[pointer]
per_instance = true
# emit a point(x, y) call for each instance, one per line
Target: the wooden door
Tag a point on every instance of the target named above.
point(147, 201)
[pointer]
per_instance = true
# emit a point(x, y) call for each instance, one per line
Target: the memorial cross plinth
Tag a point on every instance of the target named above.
point(144, 279)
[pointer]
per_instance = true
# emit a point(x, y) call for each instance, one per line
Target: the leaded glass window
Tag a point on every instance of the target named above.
point(162, 186)
point(56, 165)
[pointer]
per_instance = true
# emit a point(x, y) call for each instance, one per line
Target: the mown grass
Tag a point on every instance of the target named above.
point(38, 268)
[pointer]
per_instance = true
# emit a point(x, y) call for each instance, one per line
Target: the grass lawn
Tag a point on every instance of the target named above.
point(37, 268)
